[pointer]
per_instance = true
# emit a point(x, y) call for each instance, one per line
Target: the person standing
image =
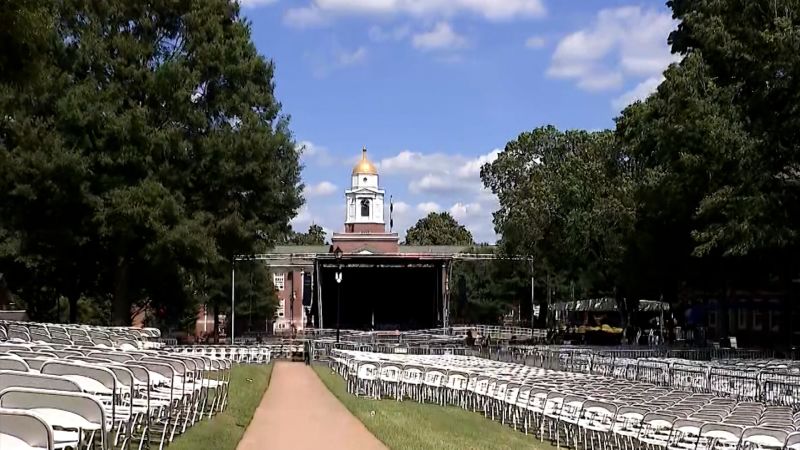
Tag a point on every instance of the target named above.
point(469, 341)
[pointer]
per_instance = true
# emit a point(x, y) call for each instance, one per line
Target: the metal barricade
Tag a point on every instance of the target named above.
point(742, 384)
point(781, 387)
point(626, 368)
point(689, 377)
point(603, 365)
point(578, 362)
point(691, 354)
point(653, 372)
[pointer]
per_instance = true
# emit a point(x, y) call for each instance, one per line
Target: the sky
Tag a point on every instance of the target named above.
point(436, 88)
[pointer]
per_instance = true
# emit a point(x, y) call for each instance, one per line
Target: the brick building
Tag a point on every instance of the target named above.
point(383, 284)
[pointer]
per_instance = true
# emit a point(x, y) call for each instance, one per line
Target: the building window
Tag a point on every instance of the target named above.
point(282, 308)
point(742, 316)
point(758, 319)
point(365, 208)
point(775, 321)
point(712, 314)
point(279, 281)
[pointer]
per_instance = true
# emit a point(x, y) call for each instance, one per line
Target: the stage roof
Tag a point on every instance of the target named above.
point(403, 249)
point(304, 256)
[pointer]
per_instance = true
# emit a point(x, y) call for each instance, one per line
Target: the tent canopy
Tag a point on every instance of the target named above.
point(596, 305)
point(653, 305)
point(607, 304)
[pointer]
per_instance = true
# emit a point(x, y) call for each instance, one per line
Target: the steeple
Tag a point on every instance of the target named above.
point(364, 198)
point(365, 166)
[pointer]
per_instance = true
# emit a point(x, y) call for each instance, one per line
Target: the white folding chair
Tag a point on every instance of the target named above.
point(20, 430)
point(81, 416)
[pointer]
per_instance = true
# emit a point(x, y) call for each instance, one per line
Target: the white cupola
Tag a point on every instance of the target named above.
point(365, 197)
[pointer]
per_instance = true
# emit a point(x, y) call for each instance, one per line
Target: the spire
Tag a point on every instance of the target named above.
point(364, 166)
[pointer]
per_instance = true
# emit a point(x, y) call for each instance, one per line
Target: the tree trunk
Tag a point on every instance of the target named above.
point(726, 312)
point(216, 324)
point(73, 308)
point(121, 311)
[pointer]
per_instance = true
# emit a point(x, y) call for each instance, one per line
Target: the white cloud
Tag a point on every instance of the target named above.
point(640, 92)
point(311, 153)
point(401, 208)
point(337, 58)
point(441, 37)
point(461, 211)
point(348, 58)
point(437, 184)
point(472, 168)
point(434, 182)
point(302, 219)
point(602, 82)
point(410, 162)
point(626, 43)
point(428, 207)
point(451, 178)
point(438, 173)
point(317, 12)
point(304, 18)
point(379, 34)
point(321, 189)
point(535, 42)
point(255, 3)
point(320, 212)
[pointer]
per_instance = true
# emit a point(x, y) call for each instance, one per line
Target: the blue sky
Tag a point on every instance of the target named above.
point(435, 88)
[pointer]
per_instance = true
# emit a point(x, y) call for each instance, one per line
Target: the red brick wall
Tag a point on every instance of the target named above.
point(293, 283)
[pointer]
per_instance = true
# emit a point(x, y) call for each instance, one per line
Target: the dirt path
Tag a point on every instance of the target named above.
point(298, 412)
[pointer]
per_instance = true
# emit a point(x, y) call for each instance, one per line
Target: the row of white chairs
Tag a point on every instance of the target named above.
point(770, 381)
point(90, 397)
point(576, 409)
point(236, 354)
point(71, 334)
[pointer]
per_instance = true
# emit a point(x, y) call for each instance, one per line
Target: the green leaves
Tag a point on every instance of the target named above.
point(438, 229)
point(314, 236)
point(566, 199)
point(748, 92)
point(147, 152)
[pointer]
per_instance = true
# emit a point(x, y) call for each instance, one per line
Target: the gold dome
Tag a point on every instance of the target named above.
point(365, 166)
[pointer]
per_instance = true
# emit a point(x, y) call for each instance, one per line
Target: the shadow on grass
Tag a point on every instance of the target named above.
point(410, 425)
point(225, 430)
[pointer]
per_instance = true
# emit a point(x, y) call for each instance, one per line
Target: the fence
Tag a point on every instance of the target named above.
point(725, 372)
point(502, 333)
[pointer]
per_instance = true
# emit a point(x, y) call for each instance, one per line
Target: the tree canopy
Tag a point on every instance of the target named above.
point(695, 189)
point(314, 236)
point(438, 229)
point(146, 151)
point(565, 197)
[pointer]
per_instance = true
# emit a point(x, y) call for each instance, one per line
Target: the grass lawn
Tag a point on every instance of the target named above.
point(410, 425)
point(225, 430)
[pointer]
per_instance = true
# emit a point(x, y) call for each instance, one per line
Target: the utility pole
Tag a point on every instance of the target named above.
point(533, 297)
point(233, 301)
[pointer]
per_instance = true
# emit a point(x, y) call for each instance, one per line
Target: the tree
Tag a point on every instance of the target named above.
point(314, 236)
point(566, 201)
point(715, 151)
point(438, 229)
point(747, 53)
point(482, 291)
point(149, 152)
point(27, 28)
